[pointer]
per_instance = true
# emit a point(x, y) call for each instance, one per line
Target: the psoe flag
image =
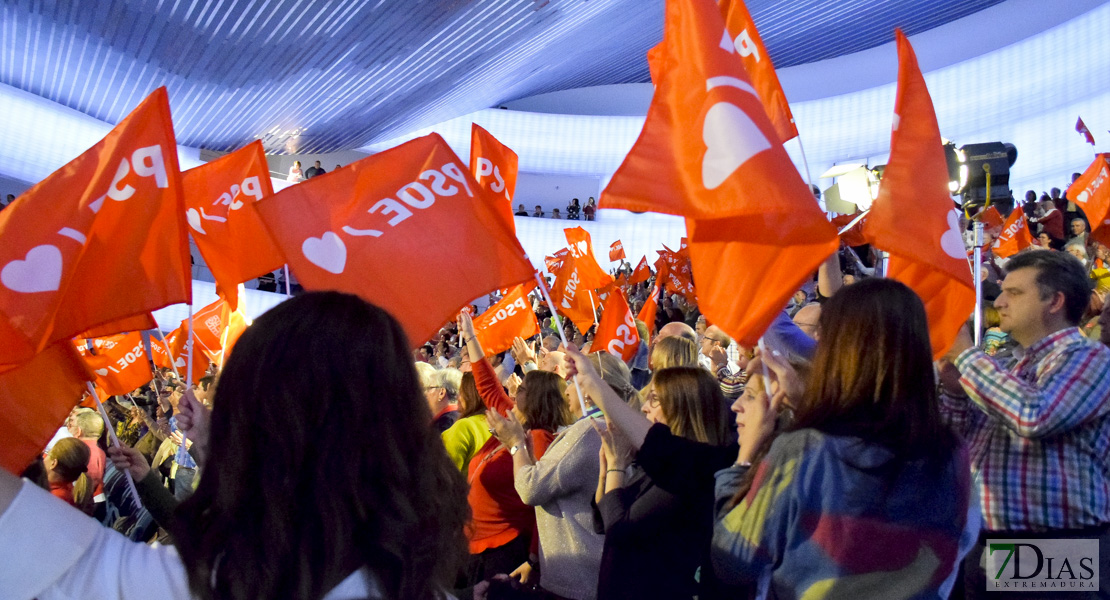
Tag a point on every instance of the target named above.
point(364, 229)
point(616, 251)
point(494, 167)
point(510, 318)
point(616, 331)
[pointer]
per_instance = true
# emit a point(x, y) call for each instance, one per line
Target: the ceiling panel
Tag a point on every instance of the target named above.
point(314, 76)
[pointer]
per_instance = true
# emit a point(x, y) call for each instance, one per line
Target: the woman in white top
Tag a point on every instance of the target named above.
point(295, 174)
point(323, 480)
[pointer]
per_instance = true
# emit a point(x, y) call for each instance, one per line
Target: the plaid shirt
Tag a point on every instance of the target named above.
point(1040, 435)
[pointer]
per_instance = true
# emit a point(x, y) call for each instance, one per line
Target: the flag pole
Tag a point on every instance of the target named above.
point(287, 292)
point(805, 164)
point(592, 306)
point(189, 372)
point(115, 441)
point(551, 305)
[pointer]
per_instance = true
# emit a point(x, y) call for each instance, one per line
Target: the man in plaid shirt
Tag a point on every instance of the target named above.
point(1038, 433)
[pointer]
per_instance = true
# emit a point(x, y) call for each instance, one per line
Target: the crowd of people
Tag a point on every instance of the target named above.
point(575, 211)
point(838, 460)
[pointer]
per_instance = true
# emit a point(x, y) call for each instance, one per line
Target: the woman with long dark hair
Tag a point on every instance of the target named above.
point(323, 480)
point(869, 491)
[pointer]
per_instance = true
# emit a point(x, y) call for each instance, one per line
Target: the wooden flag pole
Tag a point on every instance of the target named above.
point(550, 304)
point(115, 441)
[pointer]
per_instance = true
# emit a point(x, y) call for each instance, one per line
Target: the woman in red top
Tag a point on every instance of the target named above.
point(502, 527)
point(66, 464)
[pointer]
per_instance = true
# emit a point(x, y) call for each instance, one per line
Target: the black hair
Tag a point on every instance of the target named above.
point(1057, 272)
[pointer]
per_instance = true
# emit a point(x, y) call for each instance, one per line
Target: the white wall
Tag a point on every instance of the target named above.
point(553, 191)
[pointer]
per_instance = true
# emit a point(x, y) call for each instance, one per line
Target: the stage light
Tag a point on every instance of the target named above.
point(979, 160)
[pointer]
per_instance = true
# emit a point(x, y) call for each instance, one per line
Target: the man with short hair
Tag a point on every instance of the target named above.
point(441, 391)
point(314, 170)
point(1037, 433)
point(521, 211)
point(538, 212)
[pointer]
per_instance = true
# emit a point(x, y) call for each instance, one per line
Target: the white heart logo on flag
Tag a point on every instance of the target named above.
point(731, 138)
point(193, 216)
point(952, 242)
point(180, 362)
point(102, 372)
point(41, 271)
point(327, 252)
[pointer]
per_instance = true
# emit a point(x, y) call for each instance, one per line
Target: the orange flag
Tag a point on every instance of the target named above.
point(616, 331)
point(590, 274)
point(990, 217)
point(571, 297)
point(676, 277)
point(510, 318)
point(179, 346)
point(120, 363)
point(1015, 235)
point(208, 329)
point(158, 353)
point(235, 323)
point(753, 53)
point(913, 218)
point(755, 230)
point(641, 273)
point(494, 167)
point(136, 323)
point(1091, 192)
point(364, 229)
point(647, 313)
point(707, 148)
point(853, 236)
point(616, 251)
point(555, 261)
point(35, 398)
point(229, 235)
point(98, 241)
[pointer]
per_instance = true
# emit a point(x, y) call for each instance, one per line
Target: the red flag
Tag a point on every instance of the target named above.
point(616, 331)
point(913, 217)
point(1092, 193)
point(755, 230)
point(641, 273)
point(136, 323)
point(35, 398)
point(676, 277)
point(208, 329)
point(494, 167)
point(235, 324)
point(990, 217)
point(753, 53)
point(590, 274)
point(364, 229)
point(647, 313)
point(707, 149)
point(1081, 127)
point(616, 251)
point(1015, 235)
point(98, 241)
point(510, 318)
point(229, 235)
point(179, 346)
point(555, 261)
point(120, 363)
point(571, 297)
point(853, 236)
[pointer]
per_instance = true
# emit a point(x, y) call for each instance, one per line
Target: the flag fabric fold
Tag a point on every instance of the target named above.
point(616, 330)
point(749, 45)
point(1091, 192)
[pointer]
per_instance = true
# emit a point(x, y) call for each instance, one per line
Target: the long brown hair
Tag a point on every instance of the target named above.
point(470, 401)
point(321, 463)
point(873, 376)
point(540, 399)
point(693, 404)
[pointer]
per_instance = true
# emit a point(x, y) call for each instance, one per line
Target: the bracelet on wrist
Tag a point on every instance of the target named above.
point(621, 471)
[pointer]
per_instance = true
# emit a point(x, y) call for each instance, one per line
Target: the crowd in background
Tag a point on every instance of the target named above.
point(838, 460)
point(575, 211)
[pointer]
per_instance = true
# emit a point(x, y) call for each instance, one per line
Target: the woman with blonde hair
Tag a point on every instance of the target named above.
point(66, 466)
point(674, 351)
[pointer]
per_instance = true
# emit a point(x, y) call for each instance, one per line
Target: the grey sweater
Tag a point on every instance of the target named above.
point(561, 487)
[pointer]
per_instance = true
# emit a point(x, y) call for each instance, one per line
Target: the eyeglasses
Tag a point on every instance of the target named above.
point(433, 387)
point(652, 399)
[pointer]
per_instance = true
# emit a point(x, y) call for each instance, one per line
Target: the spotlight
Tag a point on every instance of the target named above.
point(977, 162)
